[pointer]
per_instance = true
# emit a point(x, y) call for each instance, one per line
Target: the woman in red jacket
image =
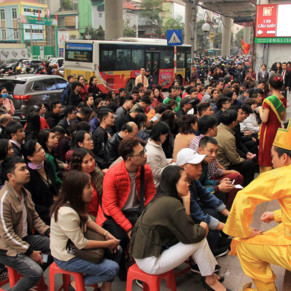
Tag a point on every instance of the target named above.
point(83, 160)
point(84, 88)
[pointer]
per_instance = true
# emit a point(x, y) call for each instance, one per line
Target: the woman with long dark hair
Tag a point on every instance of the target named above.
point(42, 185)
point(187, 126)
point(93, 88)
point(83, 88)
point(69, 220)
point(48, 140)
point(83, 160)
point(32, 126)
point(165, 236)
point(170, 119)
point(80, 139)
point(156, 157)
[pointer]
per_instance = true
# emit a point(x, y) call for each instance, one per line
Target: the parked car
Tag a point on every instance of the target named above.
point(13, 63)
point(56, 61)
point(28, 90)
point(34, 64)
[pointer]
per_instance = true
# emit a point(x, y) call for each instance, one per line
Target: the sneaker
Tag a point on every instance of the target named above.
point(195, 269)
point(220, 252)
point(139, 283)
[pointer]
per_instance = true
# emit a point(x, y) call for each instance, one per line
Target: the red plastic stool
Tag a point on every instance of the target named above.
point(54, 269)
point(151, 282)
point(14, 277)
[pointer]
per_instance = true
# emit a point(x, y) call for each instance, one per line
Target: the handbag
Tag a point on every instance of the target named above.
point(94, 256)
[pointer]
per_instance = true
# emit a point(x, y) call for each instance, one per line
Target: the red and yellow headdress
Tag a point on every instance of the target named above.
point(283, 138)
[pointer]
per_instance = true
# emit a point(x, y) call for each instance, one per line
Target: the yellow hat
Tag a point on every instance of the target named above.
point(283, 138)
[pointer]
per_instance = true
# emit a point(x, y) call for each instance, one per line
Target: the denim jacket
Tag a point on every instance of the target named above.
point(200, 197)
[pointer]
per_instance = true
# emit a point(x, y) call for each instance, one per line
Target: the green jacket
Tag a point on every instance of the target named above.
point(177, 99)
point(163, 223)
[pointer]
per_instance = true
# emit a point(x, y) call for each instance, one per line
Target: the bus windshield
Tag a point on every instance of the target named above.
point(79, 52)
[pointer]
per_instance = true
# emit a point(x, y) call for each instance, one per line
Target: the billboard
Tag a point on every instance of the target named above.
point(273, 20)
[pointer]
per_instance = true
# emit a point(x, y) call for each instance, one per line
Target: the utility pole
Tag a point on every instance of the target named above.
point(194, 30)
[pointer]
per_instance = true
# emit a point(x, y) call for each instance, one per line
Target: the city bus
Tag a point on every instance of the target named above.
point(117, 63)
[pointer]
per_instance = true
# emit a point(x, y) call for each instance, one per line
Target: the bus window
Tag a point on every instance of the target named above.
point(107, 60)
point(123, 59)
point(167, 59)
point(137, 59)
point(180, 60)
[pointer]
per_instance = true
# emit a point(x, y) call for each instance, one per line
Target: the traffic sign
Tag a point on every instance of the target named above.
point(266, 21)
point(174, 37)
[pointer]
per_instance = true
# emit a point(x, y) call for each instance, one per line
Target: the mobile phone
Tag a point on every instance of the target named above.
point(44, 257)
point(232, 182)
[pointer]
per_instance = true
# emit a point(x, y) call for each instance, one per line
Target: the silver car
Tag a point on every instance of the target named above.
point(28, 90)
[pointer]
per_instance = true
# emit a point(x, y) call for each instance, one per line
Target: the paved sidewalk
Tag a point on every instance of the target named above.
point(230, 266)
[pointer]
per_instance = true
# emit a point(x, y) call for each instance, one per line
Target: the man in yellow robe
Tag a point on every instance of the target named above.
point(256, 249)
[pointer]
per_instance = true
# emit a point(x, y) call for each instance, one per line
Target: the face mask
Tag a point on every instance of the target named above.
point(5, 95)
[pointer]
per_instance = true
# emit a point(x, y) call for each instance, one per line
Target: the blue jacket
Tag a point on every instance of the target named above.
point(200, 197)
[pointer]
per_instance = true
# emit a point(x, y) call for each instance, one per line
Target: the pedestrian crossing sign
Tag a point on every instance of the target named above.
point(174, 37)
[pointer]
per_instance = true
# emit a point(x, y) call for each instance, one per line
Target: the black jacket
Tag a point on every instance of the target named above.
point(74, 99)
point(17, 150)
point(111, 148)
point(53, 119)
point(120, 121)
point(100, 138)
point(64, 123)
point(43, 192)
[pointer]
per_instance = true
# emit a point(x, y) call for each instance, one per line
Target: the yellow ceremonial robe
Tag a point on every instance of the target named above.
point(274, 246)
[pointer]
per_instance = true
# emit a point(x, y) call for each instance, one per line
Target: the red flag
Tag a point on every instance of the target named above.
point(56, 16)
point(245, 47)
point(39, 17)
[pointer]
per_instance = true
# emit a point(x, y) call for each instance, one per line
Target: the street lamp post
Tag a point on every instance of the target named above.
point(205, 28)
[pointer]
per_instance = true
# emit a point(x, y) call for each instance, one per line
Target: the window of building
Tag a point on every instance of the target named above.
point(15, 34)
point(3, 34)
point(2, 14)
point(100, 15)
point(14, 13)
point(33, 11)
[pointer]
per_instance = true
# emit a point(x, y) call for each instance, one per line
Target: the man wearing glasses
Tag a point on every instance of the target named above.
point(122, 200)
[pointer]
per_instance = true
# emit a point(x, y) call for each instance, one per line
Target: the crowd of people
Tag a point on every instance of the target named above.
point(157, 173)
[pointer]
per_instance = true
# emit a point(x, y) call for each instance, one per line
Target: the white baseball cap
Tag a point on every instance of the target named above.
point(189, 156)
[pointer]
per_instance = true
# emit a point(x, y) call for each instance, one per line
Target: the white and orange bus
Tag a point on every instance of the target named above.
point(117, 63)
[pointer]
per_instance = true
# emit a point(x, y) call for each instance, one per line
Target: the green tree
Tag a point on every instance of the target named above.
point(67, 4)
point(238, 37)
point(217, 40)
point(173, 23)
point(95, 34)
point(128, 30)
point(151, 11)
